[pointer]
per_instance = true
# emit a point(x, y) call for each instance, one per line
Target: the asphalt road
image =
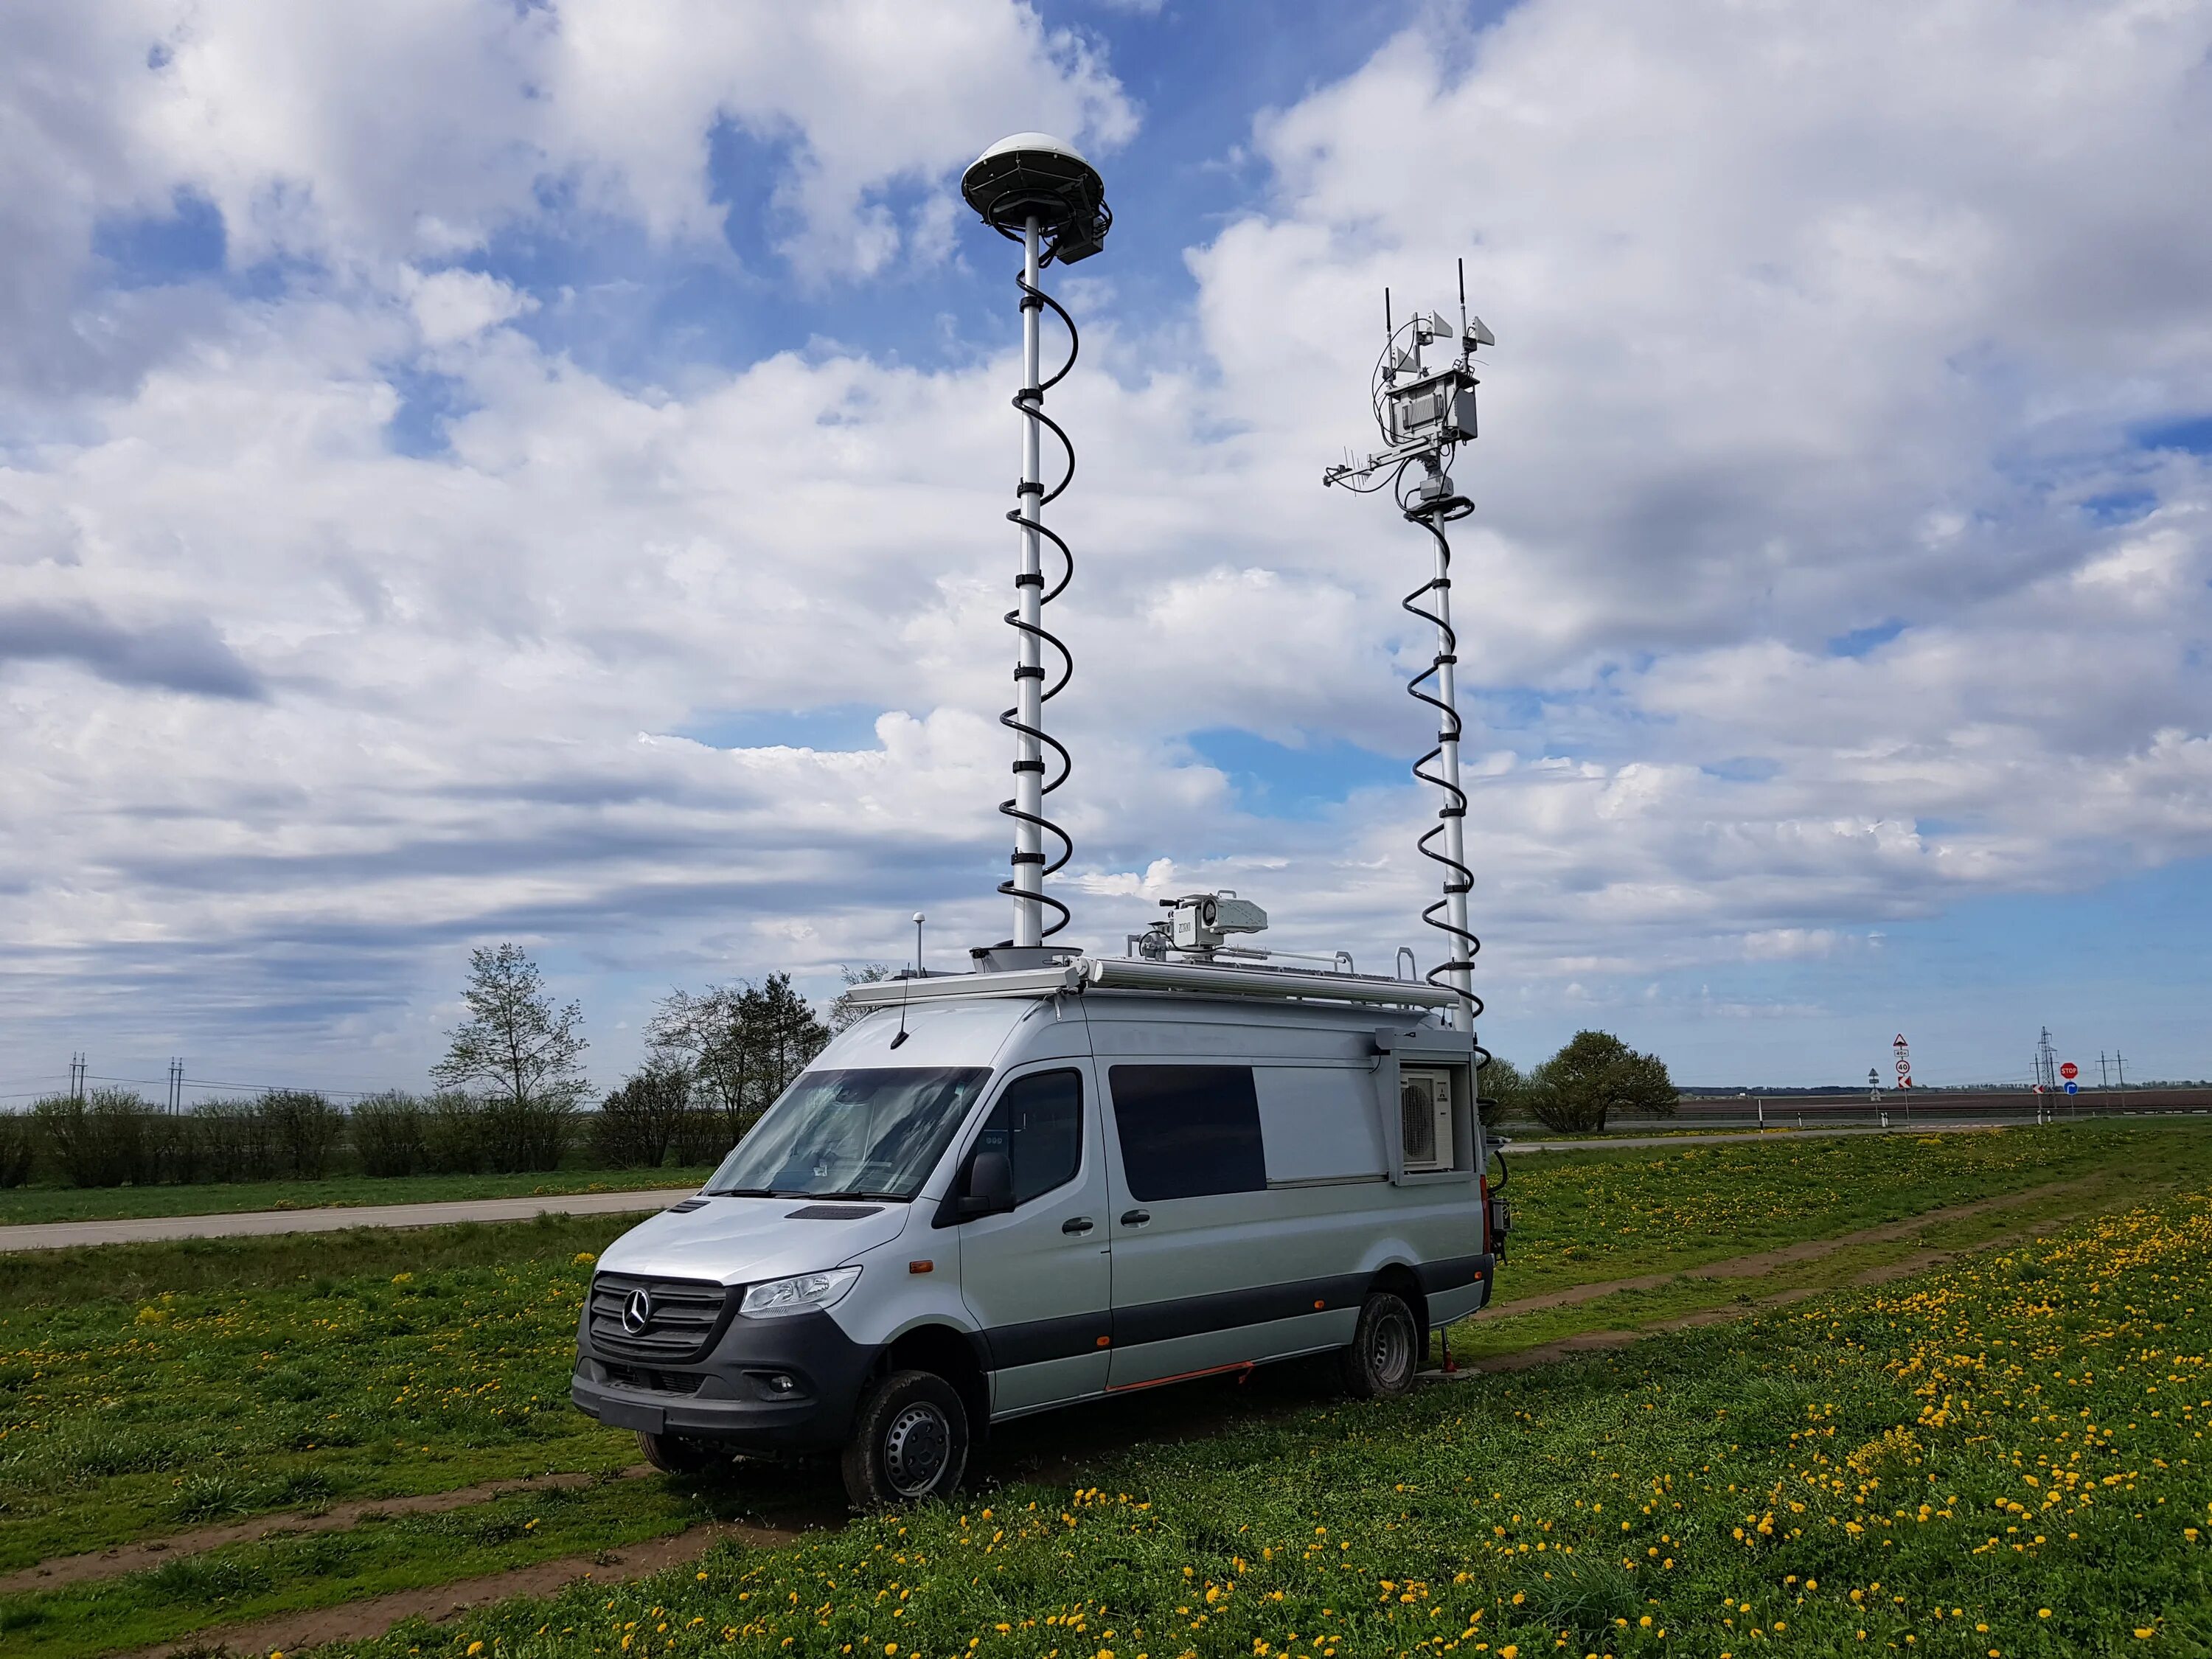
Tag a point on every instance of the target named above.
point(1604, 1142)
point(64, 1235)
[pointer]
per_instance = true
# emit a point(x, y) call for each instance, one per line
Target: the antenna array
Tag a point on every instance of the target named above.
point(1424, 413)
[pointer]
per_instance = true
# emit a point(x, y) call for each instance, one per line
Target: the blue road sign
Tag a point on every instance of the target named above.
point(2073, 1088)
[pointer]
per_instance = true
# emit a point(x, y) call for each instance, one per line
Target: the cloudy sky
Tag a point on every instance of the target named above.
point(473, 469)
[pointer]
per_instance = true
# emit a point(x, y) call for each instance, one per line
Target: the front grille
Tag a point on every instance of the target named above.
point(687, 1314)
point(632, 1377)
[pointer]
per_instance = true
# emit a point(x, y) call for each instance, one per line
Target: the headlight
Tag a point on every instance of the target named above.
point(801, 1293)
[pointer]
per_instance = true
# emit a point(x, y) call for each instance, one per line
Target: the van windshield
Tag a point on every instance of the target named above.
point(873, 1134)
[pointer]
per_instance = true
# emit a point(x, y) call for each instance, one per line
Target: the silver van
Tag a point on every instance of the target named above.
point(1003, 1191)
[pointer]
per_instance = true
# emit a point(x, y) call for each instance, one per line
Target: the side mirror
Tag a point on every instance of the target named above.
point(990, 1186)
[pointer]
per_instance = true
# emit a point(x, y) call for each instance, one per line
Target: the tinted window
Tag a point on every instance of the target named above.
point(1038, 1125)
point(1189, 1130)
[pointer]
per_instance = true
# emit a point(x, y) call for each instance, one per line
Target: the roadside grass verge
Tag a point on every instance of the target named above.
point(2004, 1456)
point(35, 1286)
point(24, 1205)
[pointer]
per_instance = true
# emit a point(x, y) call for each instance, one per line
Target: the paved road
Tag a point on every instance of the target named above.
point(1601, 1143)
point(63, 1235)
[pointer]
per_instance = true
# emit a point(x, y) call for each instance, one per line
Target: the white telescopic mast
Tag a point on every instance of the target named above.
point(1028, 592)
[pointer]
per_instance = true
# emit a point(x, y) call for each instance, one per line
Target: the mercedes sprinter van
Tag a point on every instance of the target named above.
point(1004, 1192)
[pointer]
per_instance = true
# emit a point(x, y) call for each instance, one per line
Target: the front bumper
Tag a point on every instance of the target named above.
point(768, 1385)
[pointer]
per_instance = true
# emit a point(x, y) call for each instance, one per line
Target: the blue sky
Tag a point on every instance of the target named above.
point(505, 473)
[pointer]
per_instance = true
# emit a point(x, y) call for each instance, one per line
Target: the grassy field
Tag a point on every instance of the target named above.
point(22, 1205)
point(148, 1390)
point(2002, 1458)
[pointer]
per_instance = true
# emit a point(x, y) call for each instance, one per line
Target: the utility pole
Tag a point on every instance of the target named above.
point(76, 1077)
point(2103, 1073)
point(176, 1086)
point(2120, 1064)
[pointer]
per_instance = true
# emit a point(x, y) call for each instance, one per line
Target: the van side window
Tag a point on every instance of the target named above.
point(1038, 1125)
point(1188, 1131)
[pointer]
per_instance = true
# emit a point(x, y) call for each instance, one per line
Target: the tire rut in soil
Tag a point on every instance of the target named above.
point(118, 1558)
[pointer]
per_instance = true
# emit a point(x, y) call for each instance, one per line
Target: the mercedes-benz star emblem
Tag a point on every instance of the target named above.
point(637, 1312)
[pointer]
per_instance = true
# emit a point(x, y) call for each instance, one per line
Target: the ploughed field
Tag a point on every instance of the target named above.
point(1959, 1383)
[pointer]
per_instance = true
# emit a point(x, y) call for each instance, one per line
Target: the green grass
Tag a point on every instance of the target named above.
point(1584, 1217)
point(148, 1388)
point(1944, 1461)
point(285, 1573)
point(1487, 1335)
point(131, 1274)
point(23, 1205)
point(295, 1370)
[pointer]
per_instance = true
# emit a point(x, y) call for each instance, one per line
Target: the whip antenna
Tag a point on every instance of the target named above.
point(1036, 190)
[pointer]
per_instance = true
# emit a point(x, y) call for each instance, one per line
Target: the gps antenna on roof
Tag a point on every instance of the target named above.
point(1036, 190)
point(1425, 413)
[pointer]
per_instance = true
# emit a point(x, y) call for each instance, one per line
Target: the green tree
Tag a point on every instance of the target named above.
point(742, 1044)
point(1504, 1090)
point(514, 1046)
point(640, 1121)
point(844, 1013)
point(1594, 1075)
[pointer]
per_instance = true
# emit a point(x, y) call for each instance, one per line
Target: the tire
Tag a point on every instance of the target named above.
point(909, 1443)
point(1385, 1351)
point(674, 1455)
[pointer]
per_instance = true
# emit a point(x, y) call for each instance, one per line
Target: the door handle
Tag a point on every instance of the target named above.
point(1078, 1224)
point(1135, 1218)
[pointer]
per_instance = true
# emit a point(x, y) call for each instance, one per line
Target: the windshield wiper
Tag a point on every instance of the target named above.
point(739, 1192)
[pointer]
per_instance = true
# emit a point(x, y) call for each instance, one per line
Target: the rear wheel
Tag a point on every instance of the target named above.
point(1385, 1348)
point(672, 1454)
point(909, 1442)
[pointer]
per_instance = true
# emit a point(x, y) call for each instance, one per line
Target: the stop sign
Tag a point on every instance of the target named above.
point(2069, 1071)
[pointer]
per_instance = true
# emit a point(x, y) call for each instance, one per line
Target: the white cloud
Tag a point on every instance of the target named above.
point(1811, 322)
point(451, 306)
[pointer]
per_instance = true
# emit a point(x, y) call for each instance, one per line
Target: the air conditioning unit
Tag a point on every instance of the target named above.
point(1425, 1116)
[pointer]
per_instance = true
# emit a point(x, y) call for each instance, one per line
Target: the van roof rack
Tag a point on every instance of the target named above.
point(1081, 973)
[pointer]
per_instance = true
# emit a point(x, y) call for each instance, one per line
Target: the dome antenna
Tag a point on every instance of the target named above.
point(1036, 190)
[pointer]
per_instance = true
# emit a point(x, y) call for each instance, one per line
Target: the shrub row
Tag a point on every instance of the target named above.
point(114, 1136)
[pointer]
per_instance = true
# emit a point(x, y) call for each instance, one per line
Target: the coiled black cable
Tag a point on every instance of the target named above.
point(1433, 515)
point(1031, 401)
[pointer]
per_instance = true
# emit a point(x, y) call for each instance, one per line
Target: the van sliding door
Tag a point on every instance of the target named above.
point(1209, 1270)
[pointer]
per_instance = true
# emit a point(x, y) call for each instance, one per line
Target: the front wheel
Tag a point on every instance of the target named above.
point(909, 1443)
point(671, 1453)
point(1385, 1343)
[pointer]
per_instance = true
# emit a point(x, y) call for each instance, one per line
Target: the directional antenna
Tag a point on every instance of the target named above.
point(1423, 398)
